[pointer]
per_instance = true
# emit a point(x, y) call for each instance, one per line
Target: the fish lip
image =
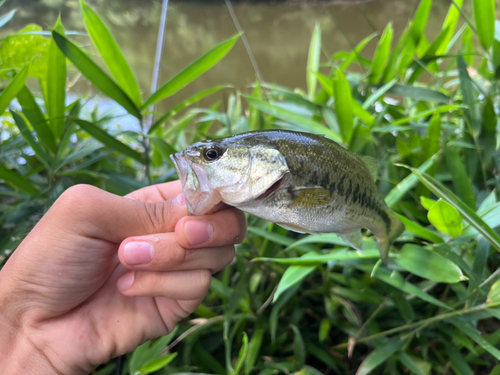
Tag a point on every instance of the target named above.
point(181, 166)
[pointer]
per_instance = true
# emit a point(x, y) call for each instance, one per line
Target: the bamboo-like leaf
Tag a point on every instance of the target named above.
point(36, 118)
point(470, 96)
point(253, 350)
point(494, 294)
point(429, 265)
point(343, 105)
point(313, 61)
point(418, 93)
point(184, 104)
point(303, 122)
point(429, 112)
point(475, 335)
point(292, 276)
point(362, 113)
point(157, 364)
point(382, 53)
point(461, 181)
point(109, 140)
point(417, 29)
point(26, 133)
point(10, 92)
point(56, 84)
point(192, 71)
point(162, 147)
point(450, 23)
point(95, 74)
point(15, 180)
point(484, 13)
point(469, 215)
point(299, 349)
point(420, 231)
point(354, 55)
point(381, 354)
point(111, 53)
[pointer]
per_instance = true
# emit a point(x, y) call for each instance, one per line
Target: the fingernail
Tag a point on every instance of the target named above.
point(198, 231)
point(138, 252)
point(180, 199)
point(126, 281)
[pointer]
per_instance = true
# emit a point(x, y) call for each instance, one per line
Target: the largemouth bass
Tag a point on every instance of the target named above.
point(303, 182)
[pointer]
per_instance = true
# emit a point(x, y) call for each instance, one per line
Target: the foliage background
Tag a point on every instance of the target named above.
point(426, 109)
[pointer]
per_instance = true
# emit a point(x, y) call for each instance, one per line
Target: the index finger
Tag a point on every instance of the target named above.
point(157, 193)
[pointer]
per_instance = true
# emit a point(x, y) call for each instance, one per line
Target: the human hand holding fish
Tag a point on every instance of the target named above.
point(303, 182)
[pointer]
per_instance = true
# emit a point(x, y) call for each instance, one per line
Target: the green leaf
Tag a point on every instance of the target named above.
point(56, 84)
point(111, 53)
point(429, 112)
point(418, 93)
point(343, 105)
point(461, 181)
point(420, 231)
point(429, 265)
point(253, 350)
point(292, 276)
point(162, 147)
point(302, 122)
point(314, 259)
point(324, 329)
point(16, 181)
point(475, 335)
point(299, 350)
point(362, 113)
point(192, 71)
point(381, 354)
point(95, 74)
point(469, 215)
point(416, 365)
point(382, 53)
point(243, 354)
point(36, 118)
point(157, 364)
point(417, 29)
point(450, 23)
point(445, 218)
point(26, 133)
point(313, 61)
point(484, 13)
point(7, 17)
point(354, 55)
point(184, 104)
point(470, 97)
point(109, 140)
point(10, 92)
point(494, 295)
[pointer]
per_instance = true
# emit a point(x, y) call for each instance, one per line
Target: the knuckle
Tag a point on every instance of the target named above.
point(204, 279)
point(78, 199)
point(156, 216)
point(175, 255)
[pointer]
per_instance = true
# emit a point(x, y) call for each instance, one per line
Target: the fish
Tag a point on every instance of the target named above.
point(304, 182)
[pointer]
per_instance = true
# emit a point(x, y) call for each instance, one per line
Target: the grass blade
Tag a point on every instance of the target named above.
point(420, 231)
point(461, 181)
point(484, 14)
point(418, 93)
point(303, 122)
point(438, 189)
point(313, 61)
point(16, 181)
point(14, 86)
point(292, 276)
point(109, 140)
point(36, 118)
point(95, 74)
point(382, 53)
point(343, 105)
point(111, 53)
point(470, 96)
point(192, 71)
point(475, 335)
point(450, 23)
point(381, 354)
point(56, 84)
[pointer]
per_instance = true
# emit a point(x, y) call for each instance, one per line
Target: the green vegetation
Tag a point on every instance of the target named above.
point(426, 109)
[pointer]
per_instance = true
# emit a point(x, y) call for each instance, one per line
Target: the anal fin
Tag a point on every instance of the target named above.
point(355, 239)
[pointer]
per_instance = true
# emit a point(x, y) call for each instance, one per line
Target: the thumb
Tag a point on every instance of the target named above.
point(95, 213)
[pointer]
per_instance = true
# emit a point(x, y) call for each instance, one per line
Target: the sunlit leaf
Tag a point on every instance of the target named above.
point(429, 264)
point(381, 354)
point(95, 74)
point(111, 53)
point(494, 294)
point(420, 231)
point(484, 13)
point(192, 71)
point(343, 105)
point(9, 93)
point(292, 276)
point(313, 61)
point(445, 218)
point(157, 364)
point(382, 53)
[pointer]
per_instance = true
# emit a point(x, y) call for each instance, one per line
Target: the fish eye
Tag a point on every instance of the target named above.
point(212, 153)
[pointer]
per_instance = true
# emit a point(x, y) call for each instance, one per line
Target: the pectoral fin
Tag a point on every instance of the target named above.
point(311, 197)
point(355, 239)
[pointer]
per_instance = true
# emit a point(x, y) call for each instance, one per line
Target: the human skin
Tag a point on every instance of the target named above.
point(101, 274)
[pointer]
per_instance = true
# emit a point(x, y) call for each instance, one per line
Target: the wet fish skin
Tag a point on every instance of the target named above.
point(302, 181)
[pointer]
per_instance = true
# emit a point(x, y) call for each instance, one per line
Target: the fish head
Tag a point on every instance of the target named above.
point(226, 170)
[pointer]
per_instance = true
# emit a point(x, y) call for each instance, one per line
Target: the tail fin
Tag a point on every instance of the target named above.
point(394, 231)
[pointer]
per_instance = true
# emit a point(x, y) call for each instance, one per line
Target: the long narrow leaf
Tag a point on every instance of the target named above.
point(313, 61)
point(343, 105)
point(109, 140)
point(382, 53)
point(95, 74)
point(111, 53)
point(484, 13)
point(15, 180)
point(10, 92)
point(192, 71)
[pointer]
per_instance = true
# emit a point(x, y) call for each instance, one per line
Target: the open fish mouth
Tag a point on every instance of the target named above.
point(200, 198)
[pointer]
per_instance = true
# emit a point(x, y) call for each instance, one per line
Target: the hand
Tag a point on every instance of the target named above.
point(100, 274)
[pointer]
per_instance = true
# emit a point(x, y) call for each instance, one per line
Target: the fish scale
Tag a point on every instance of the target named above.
point(304, 182)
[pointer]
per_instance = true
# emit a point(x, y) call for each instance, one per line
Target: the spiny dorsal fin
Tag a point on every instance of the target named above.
point(371, 164)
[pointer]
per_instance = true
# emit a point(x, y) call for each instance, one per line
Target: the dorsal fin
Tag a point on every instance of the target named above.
point(371, 164)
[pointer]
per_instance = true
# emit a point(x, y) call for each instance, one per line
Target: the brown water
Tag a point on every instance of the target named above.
point(278, 34)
